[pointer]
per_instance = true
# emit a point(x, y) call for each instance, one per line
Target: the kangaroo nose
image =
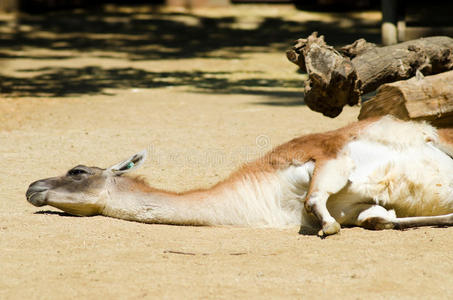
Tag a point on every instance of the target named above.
point(36, 193)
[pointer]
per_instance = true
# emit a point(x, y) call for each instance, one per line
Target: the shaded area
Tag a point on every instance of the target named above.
point(62, 82)
point(40, 6)
point(141, 34)
point(296, 101)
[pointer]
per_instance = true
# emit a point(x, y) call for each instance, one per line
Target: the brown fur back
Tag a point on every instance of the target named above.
point(318, 147)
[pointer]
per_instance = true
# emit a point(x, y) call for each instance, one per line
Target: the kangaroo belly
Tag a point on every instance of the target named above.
point(414, 181)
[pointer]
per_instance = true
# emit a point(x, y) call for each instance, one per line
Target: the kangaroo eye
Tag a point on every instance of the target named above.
point(75, 172)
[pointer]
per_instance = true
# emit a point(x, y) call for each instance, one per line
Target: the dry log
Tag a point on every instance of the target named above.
point(429, 98)
point(331, 76)
point(337, 79)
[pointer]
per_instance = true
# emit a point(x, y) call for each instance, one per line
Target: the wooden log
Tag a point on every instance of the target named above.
point(336, 79)
point(427, 98)
point(331, 75)
point(358, 47)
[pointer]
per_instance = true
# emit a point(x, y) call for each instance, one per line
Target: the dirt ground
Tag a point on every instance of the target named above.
point(212, 90)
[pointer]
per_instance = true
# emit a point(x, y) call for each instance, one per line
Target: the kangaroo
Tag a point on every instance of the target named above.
point(379, 173)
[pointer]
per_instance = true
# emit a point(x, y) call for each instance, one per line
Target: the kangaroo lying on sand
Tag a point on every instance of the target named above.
point(379, 174)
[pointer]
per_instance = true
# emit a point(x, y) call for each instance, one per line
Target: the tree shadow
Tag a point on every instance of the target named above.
point(139, 34)
point(91, 80)
point(297, 98)
point(147, 35)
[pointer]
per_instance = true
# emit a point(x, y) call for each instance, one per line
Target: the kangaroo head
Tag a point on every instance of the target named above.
point(82, 190)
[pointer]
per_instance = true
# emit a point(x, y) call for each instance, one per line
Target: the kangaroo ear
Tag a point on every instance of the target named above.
point(129, 164)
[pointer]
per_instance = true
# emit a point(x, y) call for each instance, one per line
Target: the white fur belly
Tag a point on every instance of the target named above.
point(414, 181)
point(286, 195)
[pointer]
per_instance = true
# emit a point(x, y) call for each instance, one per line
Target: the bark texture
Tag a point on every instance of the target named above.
point(336, 79)
point(429, 98)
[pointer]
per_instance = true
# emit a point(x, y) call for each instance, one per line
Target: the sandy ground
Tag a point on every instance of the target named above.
point(200, 117)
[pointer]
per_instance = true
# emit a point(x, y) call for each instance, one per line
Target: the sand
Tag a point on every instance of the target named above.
point(200, 117)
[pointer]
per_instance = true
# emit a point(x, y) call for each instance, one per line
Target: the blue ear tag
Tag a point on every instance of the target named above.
point(130, 165)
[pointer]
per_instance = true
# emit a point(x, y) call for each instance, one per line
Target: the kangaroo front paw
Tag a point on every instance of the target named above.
point(329, 229)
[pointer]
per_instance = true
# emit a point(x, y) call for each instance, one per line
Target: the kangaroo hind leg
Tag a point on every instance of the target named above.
point(409, 222)
point(377, 217)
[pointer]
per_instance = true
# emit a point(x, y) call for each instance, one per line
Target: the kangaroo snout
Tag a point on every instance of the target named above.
point(37, 192)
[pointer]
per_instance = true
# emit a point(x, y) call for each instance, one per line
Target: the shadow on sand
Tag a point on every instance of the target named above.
point(91, 80)
point(52, 212)
point(141, 34)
